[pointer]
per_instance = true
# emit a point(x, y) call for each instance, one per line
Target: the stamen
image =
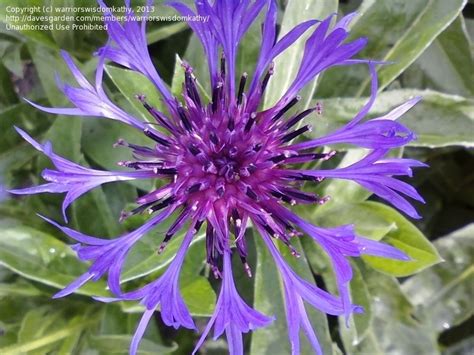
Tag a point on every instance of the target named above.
point(156, 138)
point(140, 164)
point(252, 168)
point(213, 138)
point(197, 226)
point(216, 94)
point(220, 188)
point(270, 231)
point(306, 157)
point(283, 197)
point(158, 116)
point(184, 119)
point(301, 195)
point(191, 88)
point(231, 124)
point(267, 77)
point(295, 119)
point(290, 136)
point(240, 94)
point(165, 171)
point(285, 109)
point(251, 193)
point(174, 228)
point(250, 122)
point(194, 188)
point(165, 203)
point(223, 66)
point(278, 158)
point(193, 149)
point(257, 147)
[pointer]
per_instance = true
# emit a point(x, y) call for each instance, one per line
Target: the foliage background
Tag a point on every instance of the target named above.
point(412, 308)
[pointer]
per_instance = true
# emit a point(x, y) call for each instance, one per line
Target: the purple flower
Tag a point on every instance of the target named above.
point(226, 163)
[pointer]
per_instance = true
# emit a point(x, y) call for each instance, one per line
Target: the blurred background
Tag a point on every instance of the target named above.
point(425, 308)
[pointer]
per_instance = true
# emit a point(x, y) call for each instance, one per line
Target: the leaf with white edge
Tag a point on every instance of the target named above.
point(41, 257)
point(450, 52)
point(365, 216)
point(438, 120)
point(443, 294)
point(398, 32)
point(406, 237)
point(393, 330)
point(287, 63)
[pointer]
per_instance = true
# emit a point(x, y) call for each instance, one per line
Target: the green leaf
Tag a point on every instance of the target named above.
point(269, 299)
point(451, 52)
point(439, 120)
point(398, 32)
point(366, 217)
point(21, 288)
point(393, 330)
point(148, 261)
point(406, 237)
point(40, 257)
point(47, 339)
point(443, 294)
point(164, 32)
point(178, 77)
point(287, 63)
point(131, 83)
point(98, 139)
point(118, 343)
point(41, 37)
point(380, 222)
point(199, 296)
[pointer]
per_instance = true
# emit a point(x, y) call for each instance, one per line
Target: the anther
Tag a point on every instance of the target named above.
point(267, 76)
point(257, 147)
point(231, 124)
point(165, 203)
point(283, 197)
point(155, 113)
point(156, 138)
point(184, 119)
point(251, 193)
point(165, 171)
point(240, 94)
point(216, 93)
point(295, 119)
point(191, 87)
point(197, 226)
point(290, 136)
point(213, 138)
point(285, 109)
point(250, 121)
point(223, 66)
point(194, 188)
point(193, 149)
